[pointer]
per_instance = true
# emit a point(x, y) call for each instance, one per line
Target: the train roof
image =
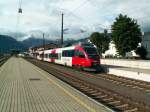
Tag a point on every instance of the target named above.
point(83, 45)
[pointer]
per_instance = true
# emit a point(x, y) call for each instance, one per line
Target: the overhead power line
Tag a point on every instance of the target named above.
point(81, 5)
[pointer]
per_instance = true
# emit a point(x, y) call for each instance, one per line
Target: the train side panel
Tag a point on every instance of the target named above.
point(64, 56)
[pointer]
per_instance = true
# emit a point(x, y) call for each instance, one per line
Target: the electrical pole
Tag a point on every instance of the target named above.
point(62, 30)
point(43, 45)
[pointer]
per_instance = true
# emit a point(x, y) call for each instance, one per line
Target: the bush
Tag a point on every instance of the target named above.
point(142, 52)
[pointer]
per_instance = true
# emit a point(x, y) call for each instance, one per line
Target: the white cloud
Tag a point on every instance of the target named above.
point(91, 15)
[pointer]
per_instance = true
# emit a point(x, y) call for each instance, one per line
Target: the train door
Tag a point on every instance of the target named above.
point(52, 56)
point(79, 59)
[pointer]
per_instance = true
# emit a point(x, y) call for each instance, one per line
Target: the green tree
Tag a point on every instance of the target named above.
point(142, 52)
point(101, 41)
point(126, 34)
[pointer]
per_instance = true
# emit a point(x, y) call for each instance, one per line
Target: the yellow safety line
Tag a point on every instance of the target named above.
point(67, 92)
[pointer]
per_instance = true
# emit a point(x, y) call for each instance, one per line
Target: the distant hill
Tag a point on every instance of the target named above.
point(30, 42)
point(8, 43)
point(35, 42)
point(75, 41)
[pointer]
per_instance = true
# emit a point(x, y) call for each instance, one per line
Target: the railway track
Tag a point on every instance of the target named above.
point(128, 82)
point(109, 98)
point(3, 60)
point(135, 84)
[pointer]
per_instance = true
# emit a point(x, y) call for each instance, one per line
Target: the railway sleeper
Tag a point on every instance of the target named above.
point(147, 90)
point(87, 90)
point(126, 106)
point(114, 102)
point(143, 84)
point(92, 92)
point(108, 99)
point(148, 85)
point(122, 106)
point(129, 85)
point(96, 94)
point(78, 85)
point(132, 110)
point(84, 88)
point(111, 78)
point(119, 107)
point(100, 97)
point(132, 82)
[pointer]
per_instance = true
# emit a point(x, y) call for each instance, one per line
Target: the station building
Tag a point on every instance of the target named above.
point(34, 50)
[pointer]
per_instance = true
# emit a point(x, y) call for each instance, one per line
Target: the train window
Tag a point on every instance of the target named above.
point(90, 50)
point(64, 53)
point(49, 55)
point(41, 55)
point(68, 53)
point(81, 54)
point(72, 53)
point(54, 56)
point(46, 55)
point(76, 52)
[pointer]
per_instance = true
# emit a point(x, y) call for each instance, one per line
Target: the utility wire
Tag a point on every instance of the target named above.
point(83, 4)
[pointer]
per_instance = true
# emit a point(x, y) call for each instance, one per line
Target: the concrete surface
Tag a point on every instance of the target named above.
point(26, 88)
point(130, 63)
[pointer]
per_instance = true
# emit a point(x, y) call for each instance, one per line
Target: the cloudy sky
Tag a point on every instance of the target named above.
point(89, 15)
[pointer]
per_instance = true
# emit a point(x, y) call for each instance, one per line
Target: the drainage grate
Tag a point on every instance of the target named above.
point(34, 79)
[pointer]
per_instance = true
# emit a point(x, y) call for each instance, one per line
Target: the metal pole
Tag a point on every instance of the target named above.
point(62, 31)
point(43, 45)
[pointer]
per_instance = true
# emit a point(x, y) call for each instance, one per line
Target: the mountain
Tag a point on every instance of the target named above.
point(8, 43)
point(35, 42)
point(30, 42)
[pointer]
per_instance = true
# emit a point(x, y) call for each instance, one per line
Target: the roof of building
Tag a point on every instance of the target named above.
point(46, 46)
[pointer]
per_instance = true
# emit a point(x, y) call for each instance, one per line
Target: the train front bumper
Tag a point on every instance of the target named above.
point(93, 69)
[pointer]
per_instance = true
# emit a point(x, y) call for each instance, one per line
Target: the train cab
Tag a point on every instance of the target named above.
point(86, 57)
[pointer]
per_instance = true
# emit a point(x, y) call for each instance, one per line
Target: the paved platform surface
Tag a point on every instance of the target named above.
point(26, 88)
point(146, 71)
point(128, 63)
point(134, 73)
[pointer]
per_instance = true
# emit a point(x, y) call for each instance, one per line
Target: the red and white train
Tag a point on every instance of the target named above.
point(83, 56)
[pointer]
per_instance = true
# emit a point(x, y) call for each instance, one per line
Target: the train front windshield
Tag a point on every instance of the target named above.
point(91, 52)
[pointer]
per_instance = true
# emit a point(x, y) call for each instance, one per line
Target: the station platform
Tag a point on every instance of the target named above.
point(27, 88)
point(129, 72)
